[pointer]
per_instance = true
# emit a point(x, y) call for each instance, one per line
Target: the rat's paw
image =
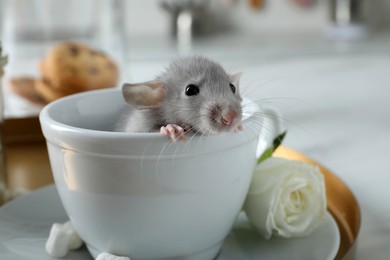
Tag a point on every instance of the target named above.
point(239, 128)
point(108, 256)
point(173, 131)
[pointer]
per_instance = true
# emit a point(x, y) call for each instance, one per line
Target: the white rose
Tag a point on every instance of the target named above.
point(286, 198)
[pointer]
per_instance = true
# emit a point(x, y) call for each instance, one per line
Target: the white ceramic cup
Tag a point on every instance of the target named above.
point(139, 194)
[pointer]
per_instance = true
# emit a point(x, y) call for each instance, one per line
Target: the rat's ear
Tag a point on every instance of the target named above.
point(235, 79)
point(144, 95)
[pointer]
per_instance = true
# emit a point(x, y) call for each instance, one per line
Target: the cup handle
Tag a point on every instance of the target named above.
point(272, 127)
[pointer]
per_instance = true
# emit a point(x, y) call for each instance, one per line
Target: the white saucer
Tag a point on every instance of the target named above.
point(25, 224)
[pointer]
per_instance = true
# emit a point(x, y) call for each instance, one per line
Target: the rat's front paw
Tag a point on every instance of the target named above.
point(239, 128)
point(173, 131)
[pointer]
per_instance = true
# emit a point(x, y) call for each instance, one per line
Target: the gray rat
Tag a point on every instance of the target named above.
point(194, 93)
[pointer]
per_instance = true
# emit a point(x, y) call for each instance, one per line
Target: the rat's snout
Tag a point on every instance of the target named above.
point(229, 117)
point(223, 118)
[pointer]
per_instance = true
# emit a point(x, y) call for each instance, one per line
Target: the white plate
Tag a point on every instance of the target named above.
point(25, 224)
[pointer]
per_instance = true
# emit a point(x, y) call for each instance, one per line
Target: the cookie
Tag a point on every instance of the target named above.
point(49, 93)
point(25, 87)
point(78, 67)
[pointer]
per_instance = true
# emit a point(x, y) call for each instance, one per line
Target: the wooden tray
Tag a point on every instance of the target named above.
point(341, 204)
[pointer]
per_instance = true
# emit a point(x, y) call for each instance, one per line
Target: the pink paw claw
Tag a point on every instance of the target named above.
point(239, 128)
point(173, 131)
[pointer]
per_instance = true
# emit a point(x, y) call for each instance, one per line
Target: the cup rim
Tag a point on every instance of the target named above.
point(74, 138)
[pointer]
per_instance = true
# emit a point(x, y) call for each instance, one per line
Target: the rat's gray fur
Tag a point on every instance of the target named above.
point(188, 111)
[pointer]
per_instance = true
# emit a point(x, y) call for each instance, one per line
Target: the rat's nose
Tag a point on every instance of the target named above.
point(229, 117)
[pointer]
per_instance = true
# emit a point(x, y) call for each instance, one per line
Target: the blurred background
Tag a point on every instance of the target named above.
point(134, 32)
point(324, 64)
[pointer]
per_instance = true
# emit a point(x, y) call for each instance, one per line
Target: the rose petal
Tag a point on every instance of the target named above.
point(286, 198)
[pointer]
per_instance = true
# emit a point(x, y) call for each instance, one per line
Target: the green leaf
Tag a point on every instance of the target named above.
point(267, 153)
point(278, 140)
point(275, 144)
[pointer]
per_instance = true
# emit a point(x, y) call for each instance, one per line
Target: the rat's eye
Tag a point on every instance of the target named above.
point(192, 90)
point(233, 88)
